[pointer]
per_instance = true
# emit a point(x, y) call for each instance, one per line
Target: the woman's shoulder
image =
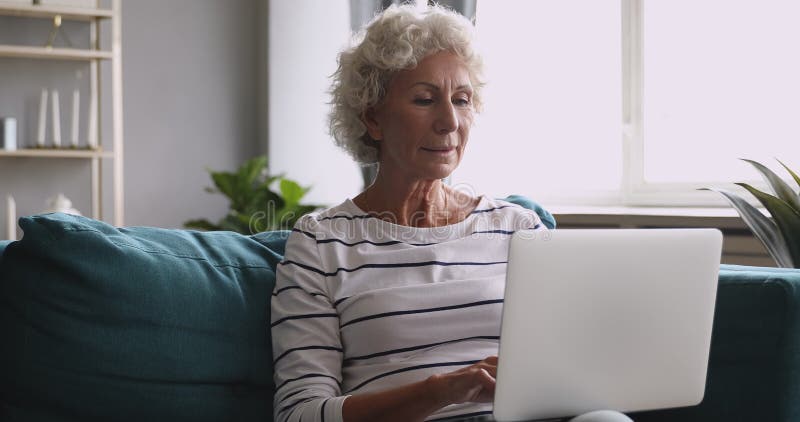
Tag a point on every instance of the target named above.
point(520, 217)
point(317, 226)
point(345, 211)
point(488, 203)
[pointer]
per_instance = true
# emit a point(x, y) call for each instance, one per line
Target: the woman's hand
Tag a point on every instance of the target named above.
point(414, 402)
point(475, 383)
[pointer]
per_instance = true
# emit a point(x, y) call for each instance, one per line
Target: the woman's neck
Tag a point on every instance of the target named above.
point(421, 203)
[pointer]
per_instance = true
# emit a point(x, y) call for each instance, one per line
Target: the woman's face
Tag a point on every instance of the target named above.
point(424, 121)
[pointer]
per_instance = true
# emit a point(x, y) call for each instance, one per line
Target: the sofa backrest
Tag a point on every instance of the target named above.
point(100, 323)
point(104, 323)
point(3, 244)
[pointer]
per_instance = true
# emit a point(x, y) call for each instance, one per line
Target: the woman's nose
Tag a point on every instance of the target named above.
point(446, 118)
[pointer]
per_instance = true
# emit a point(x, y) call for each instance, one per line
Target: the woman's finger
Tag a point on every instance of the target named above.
point(491, 369)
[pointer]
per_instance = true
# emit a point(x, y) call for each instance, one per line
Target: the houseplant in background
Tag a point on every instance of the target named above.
point(254, 206)
point(781, 233)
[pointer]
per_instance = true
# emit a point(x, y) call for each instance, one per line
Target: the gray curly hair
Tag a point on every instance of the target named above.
point(397, 39)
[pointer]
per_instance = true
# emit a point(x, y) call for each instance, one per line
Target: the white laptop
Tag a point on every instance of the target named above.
point(606, 320)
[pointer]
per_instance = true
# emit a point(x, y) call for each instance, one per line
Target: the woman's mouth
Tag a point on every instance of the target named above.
point(440, 151)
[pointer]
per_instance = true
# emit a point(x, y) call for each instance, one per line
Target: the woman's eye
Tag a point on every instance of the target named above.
point(461, 102)
point(423, 101)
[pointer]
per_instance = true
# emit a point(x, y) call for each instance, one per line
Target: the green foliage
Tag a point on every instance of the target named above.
point(781, 233)
point(254, 206)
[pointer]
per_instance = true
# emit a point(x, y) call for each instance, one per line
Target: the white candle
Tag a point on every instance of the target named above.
point(11, 217)
point(76, 109)
point(56, 120)
point(92, 127)
point(42, 118)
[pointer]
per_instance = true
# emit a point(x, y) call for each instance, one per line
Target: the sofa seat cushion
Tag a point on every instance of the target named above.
point(100, 323)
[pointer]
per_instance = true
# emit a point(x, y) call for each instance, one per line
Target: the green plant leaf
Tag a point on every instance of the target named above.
point(250, 223)
point(248, 177)
point(260, 216)
point(794, 175)
point(292, 192)
point(288, 217)
point(225, 183)
point(762, 227)
point(232, 222)
point(258, 222)
point(201, 224)
point(786, 218)
point(254, 206)
point(271, 179)
point(779, 187)
point(266, 202)
point(252, 169)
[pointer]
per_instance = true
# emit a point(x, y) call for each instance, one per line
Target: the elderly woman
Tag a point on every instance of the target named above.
point(387, 307)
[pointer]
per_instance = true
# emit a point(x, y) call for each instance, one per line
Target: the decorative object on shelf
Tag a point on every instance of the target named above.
point(11, 218)
point(8, 133)
point(56, 113)
point(61, 203)
point(781, 233)
point(254, 207)
point(51, 39)
point(76, 111)
point(56, 119)
point(92, 126)
point(42, 119)
point(84, 4)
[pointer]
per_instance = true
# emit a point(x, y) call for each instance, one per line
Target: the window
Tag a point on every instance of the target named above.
point(634, 101)
point(551, 126)
point(719, 81)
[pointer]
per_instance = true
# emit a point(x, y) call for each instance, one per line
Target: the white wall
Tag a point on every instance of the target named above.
point(304, 39)
point(190, 104)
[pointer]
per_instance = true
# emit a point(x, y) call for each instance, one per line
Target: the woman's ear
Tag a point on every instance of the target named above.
point(371, 122)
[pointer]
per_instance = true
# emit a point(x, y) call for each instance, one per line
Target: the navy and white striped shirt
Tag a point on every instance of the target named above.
point(362, 305)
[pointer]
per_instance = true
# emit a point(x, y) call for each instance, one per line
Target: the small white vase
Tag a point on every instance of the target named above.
point(61, 203)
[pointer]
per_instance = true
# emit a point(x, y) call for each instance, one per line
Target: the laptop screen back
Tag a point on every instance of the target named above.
point(606, 319)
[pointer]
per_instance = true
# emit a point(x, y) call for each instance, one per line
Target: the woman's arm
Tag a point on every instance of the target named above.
point(414, 402)
point(306, 342)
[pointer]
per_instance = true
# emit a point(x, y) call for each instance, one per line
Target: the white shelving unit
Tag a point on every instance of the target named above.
point(93, 55)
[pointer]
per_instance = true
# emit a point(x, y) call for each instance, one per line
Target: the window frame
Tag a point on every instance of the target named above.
point(635, 190)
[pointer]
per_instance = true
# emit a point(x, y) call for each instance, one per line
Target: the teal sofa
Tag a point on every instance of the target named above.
point(146, 324)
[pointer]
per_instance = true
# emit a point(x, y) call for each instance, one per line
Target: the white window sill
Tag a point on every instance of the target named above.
point(739, 245)
point(622, 216)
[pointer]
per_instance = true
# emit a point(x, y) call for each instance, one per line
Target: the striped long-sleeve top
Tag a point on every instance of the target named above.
point(362, 305)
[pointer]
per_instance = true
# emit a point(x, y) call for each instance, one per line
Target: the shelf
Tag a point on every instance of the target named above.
point(57, 153)
point(102, 24)
point(53, 53)
point(71, 13)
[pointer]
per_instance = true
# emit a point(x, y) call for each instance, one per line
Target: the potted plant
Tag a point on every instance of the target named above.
point(254, 206)
point(781, 233)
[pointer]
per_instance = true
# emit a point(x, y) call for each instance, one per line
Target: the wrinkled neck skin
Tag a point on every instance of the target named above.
point(415, 203)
